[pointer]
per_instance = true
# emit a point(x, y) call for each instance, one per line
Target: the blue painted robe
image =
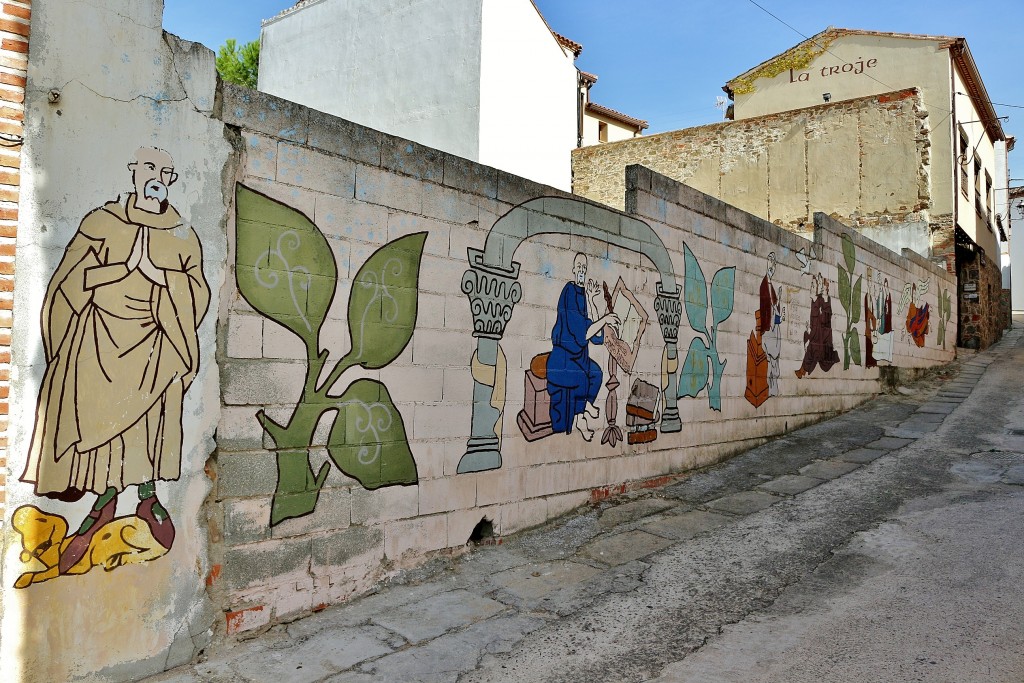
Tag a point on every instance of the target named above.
point(573, 378)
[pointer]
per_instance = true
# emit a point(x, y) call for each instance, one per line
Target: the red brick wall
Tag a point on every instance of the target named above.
point(14, 32)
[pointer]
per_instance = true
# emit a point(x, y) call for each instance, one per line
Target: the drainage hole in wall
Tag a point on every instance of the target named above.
point(482, 532)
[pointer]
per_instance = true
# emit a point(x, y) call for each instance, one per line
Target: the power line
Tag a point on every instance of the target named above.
point(997, 104)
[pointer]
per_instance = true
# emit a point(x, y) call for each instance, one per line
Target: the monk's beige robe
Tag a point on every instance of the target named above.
point(121, 352)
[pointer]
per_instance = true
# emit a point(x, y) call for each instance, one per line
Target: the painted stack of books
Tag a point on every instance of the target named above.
point(642, 412)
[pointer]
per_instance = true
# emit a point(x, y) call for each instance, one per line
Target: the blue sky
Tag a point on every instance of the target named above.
point(666, 60)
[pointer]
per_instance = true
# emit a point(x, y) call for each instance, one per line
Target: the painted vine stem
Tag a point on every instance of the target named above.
point(849, 298)
point(286, 270)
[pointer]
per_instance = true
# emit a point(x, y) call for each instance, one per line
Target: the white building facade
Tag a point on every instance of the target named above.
point(483, 79)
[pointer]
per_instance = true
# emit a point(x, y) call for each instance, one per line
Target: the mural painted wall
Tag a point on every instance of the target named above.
point(120, 263)
point(289, 356)
point(548, 348)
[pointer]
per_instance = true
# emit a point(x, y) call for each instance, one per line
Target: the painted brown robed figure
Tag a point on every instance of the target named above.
point(119, 327)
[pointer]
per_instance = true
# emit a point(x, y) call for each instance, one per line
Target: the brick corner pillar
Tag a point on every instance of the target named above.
point(14, 37)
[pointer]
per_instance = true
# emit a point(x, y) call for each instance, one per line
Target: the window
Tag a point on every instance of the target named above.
point(963, 160)
point(602, 131)
point(977, 180)
point(988, 191)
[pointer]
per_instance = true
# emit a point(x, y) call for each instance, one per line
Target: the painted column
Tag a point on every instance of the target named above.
point(670, 311)
point(493, 292)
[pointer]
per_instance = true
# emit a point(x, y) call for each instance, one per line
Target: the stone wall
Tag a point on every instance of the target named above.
point(330, 354)
point(783, 167)
point(982, 314)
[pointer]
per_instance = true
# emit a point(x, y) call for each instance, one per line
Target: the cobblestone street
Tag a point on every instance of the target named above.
point(882, 545)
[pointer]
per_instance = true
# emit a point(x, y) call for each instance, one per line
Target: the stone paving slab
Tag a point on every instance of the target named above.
point(861, 455)
point(686, 526)
point(905, 434)
point(630, 512)
point(535, 581)
point(954, 394)
point(437, 615)
point(444, 659)
point(937, 408)
point(622, 578)
point(889, 443)
point(932, 417)
point(790, 484)
point(920, 424)
point(625, 547)
point(326, 653)
point(828, 469)
point(1014, 475)
point(744, 502)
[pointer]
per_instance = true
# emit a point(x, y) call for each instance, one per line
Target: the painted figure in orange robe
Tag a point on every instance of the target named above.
point(917, 319)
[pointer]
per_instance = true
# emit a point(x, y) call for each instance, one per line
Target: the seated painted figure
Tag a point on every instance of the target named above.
point(573, 378)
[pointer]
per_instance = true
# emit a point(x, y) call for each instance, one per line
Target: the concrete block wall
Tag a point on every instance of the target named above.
point(363, 190)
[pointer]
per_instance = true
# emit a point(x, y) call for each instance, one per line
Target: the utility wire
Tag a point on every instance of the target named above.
point(997, 104)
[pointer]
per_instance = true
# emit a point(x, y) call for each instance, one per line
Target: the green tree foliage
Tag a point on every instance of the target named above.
point(239, 65)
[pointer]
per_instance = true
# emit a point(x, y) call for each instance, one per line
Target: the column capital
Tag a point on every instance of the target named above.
point(670, 313)
point(493, 292)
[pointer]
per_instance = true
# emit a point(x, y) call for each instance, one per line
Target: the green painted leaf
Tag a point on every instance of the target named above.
point(844, 288)
point(723, 295)
point(695, 293)
point(284, 266)
point(368, 440)
point(855, 348)
point(694, 375)
point(855, 302)
point(383, 305)
point(849, 253)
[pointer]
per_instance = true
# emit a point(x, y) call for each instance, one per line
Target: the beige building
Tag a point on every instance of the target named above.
point(891, 133)
point(600, 124)
point(842, 64)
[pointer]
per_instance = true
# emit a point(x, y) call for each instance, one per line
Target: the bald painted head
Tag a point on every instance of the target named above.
point(579, 269)
point(152, 174)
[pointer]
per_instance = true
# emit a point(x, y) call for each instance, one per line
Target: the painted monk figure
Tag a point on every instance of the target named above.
point(768, 327)
point(870, 324)
point(573, 378)
point(119, 327)
point(820, 350)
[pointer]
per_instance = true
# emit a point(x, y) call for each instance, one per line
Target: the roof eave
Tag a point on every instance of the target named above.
point(618, 116)
point(964, 60)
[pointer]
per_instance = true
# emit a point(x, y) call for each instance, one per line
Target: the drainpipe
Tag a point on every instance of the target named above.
point(579, 109)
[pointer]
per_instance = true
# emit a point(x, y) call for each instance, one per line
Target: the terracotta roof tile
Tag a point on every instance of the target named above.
point(569, 44)
point(617, 115)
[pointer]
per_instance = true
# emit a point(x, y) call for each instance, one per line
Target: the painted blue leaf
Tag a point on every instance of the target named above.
point(694, 375)
point(723, 295)
point(695, 293)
